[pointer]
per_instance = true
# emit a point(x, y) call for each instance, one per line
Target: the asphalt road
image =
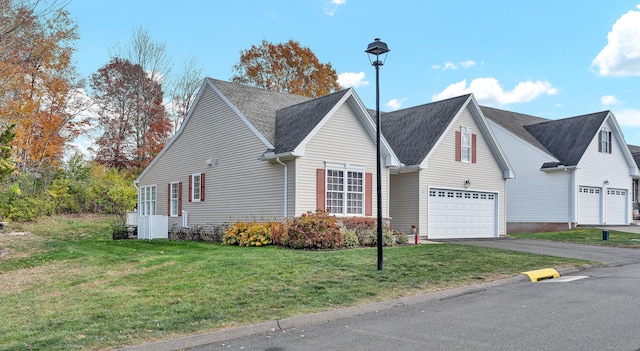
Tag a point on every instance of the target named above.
point(599, 310)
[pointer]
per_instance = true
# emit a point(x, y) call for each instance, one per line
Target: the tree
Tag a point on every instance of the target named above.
point(6, 162)
point(38, 81)
point(287, 67)
point(133, 119)
point(183, 91)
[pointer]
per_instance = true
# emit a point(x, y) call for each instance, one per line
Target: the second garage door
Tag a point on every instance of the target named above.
point(462, 214)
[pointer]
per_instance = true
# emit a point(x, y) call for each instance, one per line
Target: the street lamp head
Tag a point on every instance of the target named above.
point(377, 48)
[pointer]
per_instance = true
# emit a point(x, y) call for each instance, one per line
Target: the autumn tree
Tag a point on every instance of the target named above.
point(6, 162)
point(131, 115)
point(39, 86)
point(286, 67)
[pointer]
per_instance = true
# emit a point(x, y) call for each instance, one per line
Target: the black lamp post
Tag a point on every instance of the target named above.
point(378, 48)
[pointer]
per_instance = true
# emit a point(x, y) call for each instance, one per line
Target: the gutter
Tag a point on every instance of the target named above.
point(286, 185)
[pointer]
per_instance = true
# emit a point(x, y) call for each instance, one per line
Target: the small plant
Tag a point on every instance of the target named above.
point(350, 238)
point(248, 234)
point(233, 234)
point(400, 237)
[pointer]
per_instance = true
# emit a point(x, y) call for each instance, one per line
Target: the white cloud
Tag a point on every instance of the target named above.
point(609, 100)
point(489, 92)
point(621, 56)
point(331, 9)
point(468, 63)
point(352, 79)
point(395, 104)
point(628, 117)
point(451, 65)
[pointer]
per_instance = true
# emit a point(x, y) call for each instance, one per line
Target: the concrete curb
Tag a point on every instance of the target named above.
point(318, 318)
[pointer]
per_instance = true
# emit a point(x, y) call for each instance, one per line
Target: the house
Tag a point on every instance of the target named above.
point(635, 152)
point(571, 171)
point(244, 153)
point(453, 176)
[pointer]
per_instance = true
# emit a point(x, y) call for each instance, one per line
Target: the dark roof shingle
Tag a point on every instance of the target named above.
point(413, 132)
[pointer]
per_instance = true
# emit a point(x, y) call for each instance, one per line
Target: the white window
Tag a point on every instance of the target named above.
point(195, 187)
point(345, 192)
point(465, 144)
point(174, 193)
point(148, 200)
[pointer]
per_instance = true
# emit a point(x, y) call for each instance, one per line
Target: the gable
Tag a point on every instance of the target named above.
point(413, 132)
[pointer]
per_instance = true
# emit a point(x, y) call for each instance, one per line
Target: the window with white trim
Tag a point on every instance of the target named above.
point(148, 200)
point(465, 144)
point(195, 187)
point(345, 191)
point(174, 192)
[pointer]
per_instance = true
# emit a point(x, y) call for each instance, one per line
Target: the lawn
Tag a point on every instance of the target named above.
point(68, 286)
point(589, 236)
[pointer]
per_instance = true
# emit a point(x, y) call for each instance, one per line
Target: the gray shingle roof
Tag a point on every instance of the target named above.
point(565, 139)
point(413, 132)
point(568, 138)
point(258, 105)
point(635, 152)
point(515, 122)
point(295, 122)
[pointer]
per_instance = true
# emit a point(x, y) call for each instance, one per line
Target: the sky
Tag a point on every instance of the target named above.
point(547, 58)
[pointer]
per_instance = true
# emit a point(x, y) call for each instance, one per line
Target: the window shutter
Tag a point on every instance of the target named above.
point(201, 186)
point(190, 188)
point(169, 199)
point(180, 199)
point(473, 148)
point(458, 146)
point(368, 194)
point(321, 190)
point(610, 142)
point(600, 141)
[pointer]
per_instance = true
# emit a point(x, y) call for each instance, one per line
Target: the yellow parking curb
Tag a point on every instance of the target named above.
point(541, 274)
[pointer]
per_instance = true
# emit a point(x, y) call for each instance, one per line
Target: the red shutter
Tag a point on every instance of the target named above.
point(320, 190)
point(368, 194)
point(169, 199)
point(458, 146)
point(180, 199)
point(201, 186)
point(190, 188)
point(473, 148)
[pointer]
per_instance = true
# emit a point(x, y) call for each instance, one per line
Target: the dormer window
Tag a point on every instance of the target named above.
point(605, 141)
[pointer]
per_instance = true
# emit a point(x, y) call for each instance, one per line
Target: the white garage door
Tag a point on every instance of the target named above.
point(462, 214)
point(616, 203)
point(588, 205)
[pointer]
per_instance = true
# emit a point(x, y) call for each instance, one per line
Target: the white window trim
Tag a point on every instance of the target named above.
point(148, 200)
point(345, 168)
point(606, 142)
point(194, 188)
point(173, 207)
point(466, 132)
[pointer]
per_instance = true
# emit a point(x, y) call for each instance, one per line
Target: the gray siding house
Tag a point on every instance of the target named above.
point(571, 171)
point(244, 153)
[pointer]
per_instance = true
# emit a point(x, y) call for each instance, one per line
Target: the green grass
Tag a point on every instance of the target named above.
point(69, 286)
point(589, 236)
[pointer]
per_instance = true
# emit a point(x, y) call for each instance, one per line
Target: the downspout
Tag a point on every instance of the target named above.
point(572, 197)
point(286, 185)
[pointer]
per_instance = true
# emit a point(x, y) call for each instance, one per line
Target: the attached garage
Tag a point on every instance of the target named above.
point(592, 207)
point(462, 214)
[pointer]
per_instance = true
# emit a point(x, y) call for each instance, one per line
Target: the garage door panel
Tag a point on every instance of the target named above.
point(468, 214)
point(616, 207)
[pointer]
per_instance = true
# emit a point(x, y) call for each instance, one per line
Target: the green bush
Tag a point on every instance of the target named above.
point(387, 237)
point(401, 237)
point(350, 238)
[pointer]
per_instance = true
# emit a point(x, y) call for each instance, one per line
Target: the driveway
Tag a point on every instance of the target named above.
point(602, 254)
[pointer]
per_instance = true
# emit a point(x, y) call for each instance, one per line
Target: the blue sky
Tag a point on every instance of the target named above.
point(547, 58)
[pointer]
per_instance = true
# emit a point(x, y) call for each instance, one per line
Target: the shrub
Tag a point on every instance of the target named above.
point(387, 237)
point(363, 228)
point(248, 234)
point(401, 237)
point(208, 232)
point(312, 231)
point(350, 238)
